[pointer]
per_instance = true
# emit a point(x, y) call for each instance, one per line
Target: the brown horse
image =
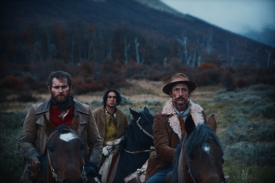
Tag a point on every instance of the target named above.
point(198, 157)
point(65, 162)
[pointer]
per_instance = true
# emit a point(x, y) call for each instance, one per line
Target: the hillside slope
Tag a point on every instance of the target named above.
point(151, 18)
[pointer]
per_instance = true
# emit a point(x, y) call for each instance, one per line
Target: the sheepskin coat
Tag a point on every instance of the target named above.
point(167, 134)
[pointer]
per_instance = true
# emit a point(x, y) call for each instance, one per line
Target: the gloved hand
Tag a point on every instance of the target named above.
point(91, 169)
point(43, 162)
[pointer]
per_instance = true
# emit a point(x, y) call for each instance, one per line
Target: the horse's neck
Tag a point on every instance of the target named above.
point(133, 145)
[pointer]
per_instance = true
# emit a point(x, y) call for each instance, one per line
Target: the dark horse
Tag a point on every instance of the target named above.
point(65, 162)
point(135, 149)
point(198, 157)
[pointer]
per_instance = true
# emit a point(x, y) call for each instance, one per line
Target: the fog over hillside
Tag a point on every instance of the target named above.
point(267, 36)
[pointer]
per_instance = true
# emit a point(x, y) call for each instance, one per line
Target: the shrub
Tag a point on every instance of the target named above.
point(12, 82)
point(206, 66)
point(267, 110)
point(32, 83)
point(138, 76)
point(125, 101)
point(207, 76)
point(131, 68)
point(227, 81)
point(97, 103)
point(155, 72)
point(260, 87)
point(80, 85)
point(154, 103)
point(242, 130)
point(253, 153)
point(26, 97)
point(240, 83)
point(10, 157)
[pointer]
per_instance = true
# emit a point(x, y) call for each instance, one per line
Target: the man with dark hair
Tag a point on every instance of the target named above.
point(111, 121)
point(61, 109)
point(169, 128)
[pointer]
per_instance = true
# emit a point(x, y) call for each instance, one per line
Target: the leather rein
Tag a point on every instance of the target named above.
point(54, 174)
point(148, 134)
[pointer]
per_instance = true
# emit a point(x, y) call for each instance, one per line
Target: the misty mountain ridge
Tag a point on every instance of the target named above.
point(152, 19)
point(266, 36)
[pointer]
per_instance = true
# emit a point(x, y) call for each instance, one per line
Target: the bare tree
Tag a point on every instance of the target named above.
point(165, 61)
point(183, 53)
point(137, 53)
point(209, 41)
point(126, 47)
point(49, 32)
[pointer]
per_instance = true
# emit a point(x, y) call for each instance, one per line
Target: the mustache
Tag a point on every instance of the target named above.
point(185, 100)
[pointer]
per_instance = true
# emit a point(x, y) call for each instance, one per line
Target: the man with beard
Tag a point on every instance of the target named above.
point(111, 121)
point(168, 127)
point(61, 109)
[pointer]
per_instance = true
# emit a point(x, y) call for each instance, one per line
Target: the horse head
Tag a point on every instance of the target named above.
point(199, 156)
point(65, 162)
point(142, 125)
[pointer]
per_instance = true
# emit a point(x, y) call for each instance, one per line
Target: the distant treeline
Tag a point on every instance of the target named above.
point(99, 58)
point(94, 76)
point(75, 41)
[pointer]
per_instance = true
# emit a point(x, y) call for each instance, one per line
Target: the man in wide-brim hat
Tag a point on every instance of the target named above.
point(168, 127)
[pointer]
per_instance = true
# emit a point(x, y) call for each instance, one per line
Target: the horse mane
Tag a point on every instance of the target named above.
point(62, 129)
point(149, 117)
point(199, 137)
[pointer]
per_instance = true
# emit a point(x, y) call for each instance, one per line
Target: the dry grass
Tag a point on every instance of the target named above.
point(138, 92)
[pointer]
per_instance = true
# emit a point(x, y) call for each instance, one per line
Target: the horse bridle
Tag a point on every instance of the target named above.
point(54, 174)
point(148, 134)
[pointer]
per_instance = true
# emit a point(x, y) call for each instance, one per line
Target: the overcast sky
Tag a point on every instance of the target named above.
point(237, 16)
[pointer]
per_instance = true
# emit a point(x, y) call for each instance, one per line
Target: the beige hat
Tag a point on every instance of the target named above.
point(179, 78)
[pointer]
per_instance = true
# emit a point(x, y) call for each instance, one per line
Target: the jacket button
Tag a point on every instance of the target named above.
point(59, 116)
point(55, 108)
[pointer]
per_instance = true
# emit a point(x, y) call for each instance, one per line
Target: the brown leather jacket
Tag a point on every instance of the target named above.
point(167, 134)
point(32, 141)
point(122, 122)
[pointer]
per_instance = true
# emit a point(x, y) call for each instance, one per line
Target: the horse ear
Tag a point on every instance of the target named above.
point(146, 110)
point(189, 125)
point(212, 122)
point(134, 113)
point(49, 128)
point(75, 124)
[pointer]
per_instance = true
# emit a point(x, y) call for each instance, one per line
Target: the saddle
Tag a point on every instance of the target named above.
point(138, 176)
point(110, 160)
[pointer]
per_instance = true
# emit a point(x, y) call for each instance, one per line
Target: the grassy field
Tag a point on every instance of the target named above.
point(246, 125)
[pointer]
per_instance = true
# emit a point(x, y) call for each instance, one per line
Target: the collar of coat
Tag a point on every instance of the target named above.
point(174, 123)
point(45, 107)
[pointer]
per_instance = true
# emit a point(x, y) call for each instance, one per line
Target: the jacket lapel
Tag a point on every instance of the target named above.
point(119, 124)
point(78, 109)
point(174, 123)
point(103, 118)
point(44, 108)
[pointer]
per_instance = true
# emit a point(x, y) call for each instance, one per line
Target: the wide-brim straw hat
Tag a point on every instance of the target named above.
point(179, 78)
